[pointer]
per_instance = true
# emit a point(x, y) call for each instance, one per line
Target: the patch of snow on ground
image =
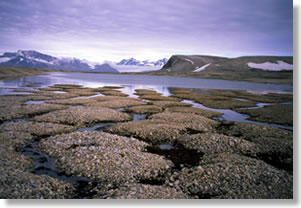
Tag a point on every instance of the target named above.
point(190, 61)
point(4, 59)
point(272, 66)
point(201, 68)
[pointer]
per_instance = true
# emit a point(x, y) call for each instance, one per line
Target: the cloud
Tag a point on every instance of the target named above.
point(132, 26)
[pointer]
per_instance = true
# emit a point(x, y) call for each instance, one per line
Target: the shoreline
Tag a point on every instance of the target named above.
point(11, 73)
point(16, 72)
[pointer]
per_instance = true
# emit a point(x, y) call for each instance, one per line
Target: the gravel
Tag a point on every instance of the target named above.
point(198, 111)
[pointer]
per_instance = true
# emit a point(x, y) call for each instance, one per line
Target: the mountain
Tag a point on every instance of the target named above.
point(266, 69)
point(134, 62)
point(215, 64)
point(34, 59)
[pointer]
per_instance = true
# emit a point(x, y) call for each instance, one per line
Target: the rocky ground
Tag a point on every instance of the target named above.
point(173, 152)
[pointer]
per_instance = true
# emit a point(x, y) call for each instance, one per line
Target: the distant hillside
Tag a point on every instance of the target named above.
point(34, 59)
point(272, 69)
point(197, 63)
point(181, 63)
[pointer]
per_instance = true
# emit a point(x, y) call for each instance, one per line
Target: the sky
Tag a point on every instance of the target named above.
point(110, 30)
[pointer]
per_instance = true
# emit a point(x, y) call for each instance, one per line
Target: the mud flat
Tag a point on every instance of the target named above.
point(117, 147)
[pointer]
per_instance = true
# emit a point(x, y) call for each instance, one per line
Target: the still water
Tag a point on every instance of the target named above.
point(132, 82)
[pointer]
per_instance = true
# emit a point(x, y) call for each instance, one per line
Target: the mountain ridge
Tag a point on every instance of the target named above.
point(35, 59)
point(135, 62)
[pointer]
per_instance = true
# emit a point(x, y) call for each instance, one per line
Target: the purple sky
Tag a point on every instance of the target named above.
point(100, 30)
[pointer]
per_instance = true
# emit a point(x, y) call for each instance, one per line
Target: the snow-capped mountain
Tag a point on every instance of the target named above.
point(135, 62)
point(36, 59)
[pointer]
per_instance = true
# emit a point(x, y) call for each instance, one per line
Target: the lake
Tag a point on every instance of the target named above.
point(132, 82)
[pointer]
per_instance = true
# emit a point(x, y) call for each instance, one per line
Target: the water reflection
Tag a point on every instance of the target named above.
point(132, 82)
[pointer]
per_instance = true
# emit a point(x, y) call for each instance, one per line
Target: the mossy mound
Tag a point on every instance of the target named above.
point(198, 111)
point(209, 99)
point(274, 145)
point(145, 109)
point(141, 92)
point(119, 102)
point(36, 128)
point(114, 93)
point(79, 101)
point(15, 110)
point(279, 114)
point(17, 183)
point(141, 191)
point(211, 143)
point(234, 176)
point(166, 104)
point(83, 117)
point(105, 157)
point(163, 127)
point(158, 97)
point(192, 121)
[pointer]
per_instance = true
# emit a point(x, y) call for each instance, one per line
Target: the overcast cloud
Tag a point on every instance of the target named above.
point(100, 30)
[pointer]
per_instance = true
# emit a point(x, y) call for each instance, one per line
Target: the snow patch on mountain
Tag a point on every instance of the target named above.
point(268, 66)
point(201, 68)
point(135, 62)
point(36, 59)
point(190, 61)
point(4, 59)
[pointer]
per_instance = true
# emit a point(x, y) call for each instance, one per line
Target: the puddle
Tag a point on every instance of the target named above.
point(165, 146)
point(45, 165)
point(34, 102)
point(59, 92)
point(261, 105)
point(75, 106)
point(87, 97)
point(241, 99)
point(121, 109)
point(98, 127)
point(258, 105)
point(139, 117)
point(14, 120)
